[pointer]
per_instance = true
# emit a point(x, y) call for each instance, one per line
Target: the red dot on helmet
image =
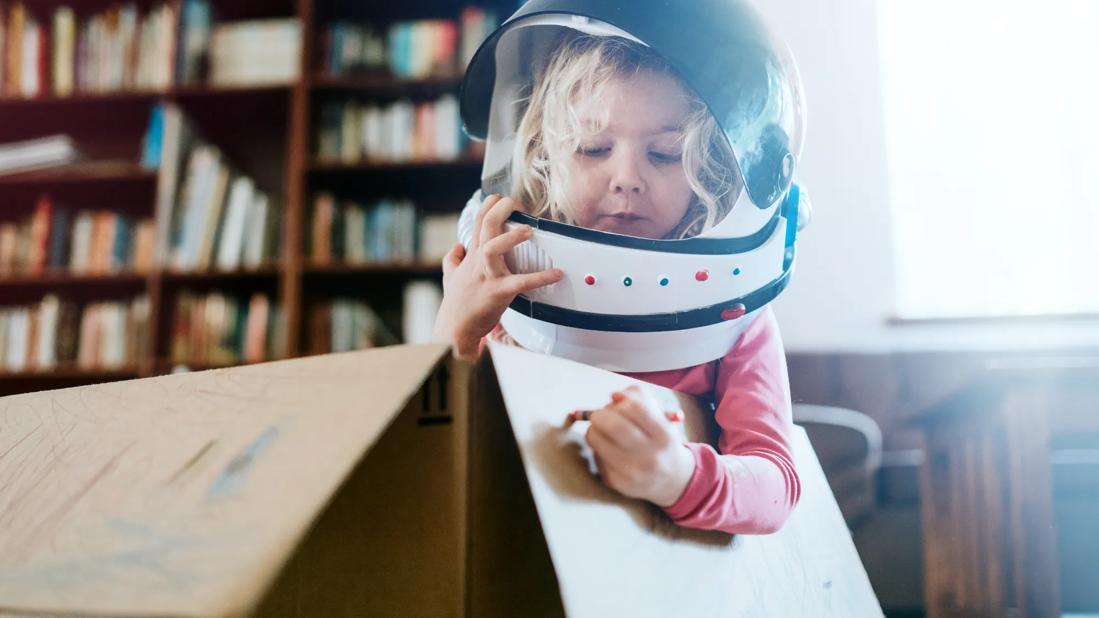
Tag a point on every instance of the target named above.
point(733, 312)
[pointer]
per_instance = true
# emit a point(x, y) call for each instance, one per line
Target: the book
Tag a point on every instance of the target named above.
point(195, 194)
point(231, 245)
point(255, 338)
point(256, 52)
point(194, 41)
point(122, 248)
point(37, 153)
point(59, 240)
point(18, 331)
point(421, 304)
point(14, 52)
point(137, 329)
point(68, 329)
point(176, 142)
point(5, 317)
point(80, 255)
point(438, 233)
point(40, 234)
point(257, 231)
point(144, 246)
point(64, 48)
point(111, 352)
point(153, 142)
point(29, 56)
point(8, 233)
point(202, 256)
point(324, 207)
point(86, 356)
point(31, 337)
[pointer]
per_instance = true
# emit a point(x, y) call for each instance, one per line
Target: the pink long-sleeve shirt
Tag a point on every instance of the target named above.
point(751, 486)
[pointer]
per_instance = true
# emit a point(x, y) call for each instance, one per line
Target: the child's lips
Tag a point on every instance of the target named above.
point(627, 217)
point(622, 223)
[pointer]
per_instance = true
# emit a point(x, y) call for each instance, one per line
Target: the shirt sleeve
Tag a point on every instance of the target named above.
point(751, 487)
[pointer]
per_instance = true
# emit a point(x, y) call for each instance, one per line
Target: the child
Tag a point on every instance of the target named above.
point(611, 139)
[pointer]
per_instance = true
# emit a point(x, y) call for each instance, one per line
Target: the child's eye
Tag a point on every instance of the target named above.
point(592, 151)
point(664, 158)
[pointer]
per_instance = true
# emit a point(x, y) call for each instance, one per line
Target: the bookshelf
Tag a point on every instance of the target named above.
point(269, 133)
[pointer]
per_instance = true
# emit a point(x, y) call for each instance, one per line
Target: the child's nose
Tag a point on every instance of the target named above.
point(626, 177)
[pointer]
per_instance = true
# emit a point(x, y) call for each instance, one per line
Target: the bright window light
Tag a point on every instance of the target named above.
point(992, 131)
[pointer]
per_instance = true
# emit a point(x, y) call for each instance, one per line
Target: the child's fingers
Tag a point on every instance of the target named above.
point(518, 284)
point(618, 429)
point(486, 205)
point(645, 419)
point(453, 258)
point(602, 446)
point(495, 249)
point(507, 241)
point(493, 223)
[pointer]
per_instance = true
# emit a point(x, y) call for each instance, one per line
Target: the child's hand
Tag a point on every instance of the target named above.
point(477, 285)
point(637, 451)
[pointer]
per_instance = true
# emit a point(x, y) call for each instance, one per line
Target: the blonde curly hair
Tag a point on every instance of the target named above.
point(551, 129)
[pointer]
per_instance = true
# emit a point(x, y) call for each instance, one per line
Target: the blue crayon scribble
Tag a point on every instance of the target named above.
point(233, 475)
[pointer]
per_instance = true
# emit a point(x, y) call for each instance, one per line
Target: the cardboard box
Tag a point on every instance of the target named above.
point(390, 482)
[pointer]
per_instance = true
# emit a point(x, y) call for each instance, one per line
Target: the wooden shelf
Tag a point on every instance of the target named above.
point(320, 166)
point(82, 172)
point(215, 275)
point(71, 373)
point(66, 278)
point(384, 83)
point(396, 267)
point(166, 365)
point(8, 103)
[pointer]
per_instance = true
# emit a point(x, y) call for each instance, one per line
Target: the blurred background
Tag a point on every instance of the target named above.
point(204, 183)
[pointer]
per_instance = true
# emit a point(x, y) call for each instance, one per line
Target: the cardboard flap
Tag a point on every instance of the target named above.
point(183, 495)
point(615, 556)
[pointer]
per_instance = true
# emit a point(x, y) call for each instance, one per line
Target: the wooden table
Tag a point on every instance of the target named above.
point(989, 542)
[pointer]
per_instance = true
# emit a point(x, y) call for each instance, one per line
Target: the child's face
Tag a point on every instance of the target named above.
point(629, 178)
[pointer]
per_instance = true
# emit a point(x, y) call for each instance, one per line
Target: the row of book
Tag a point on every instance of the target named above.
point(123, 48)
point(382, 231)
point(346, 324)
point(208, 214)
point(212, 328)
point(84, 242)
point(408, 49)
point(343, 325)
point(58, 333)
point(351, 131)
point(216, 328)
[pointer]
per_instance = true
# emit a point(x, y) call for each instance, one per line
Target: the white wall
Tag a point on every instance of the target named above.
point(843, 290)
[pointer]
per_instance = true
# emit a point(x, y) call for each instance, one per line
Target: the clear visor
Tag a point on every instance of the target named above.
point(638, 154)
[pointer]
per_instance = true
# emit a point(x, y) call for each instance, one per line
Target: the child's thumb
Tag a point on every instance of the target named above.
point(453, 258)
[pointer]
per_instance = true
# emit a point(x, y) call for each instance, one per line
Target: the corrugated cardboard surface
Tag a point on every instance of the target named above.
point(390, 482)
point(184, 495)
